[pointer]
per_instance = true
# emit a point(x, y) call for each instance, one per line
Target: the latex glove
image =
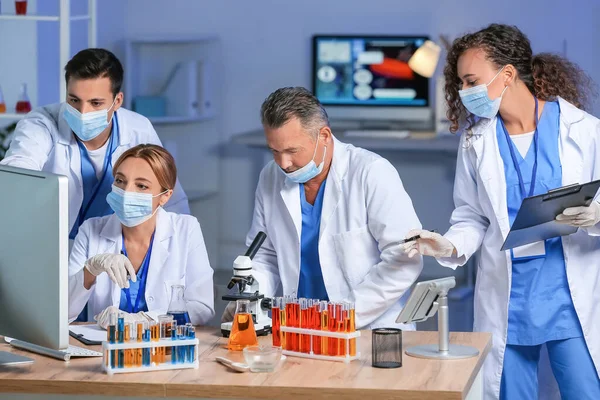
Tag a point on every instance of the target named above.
point(580, 216)
point(429, 244)
point(229, 312)
point(116, 266)
point(103, 319)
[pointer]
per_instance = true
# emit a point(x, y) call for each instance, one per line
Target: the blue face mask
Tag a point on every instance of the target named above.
point(89, 125)
point(477, 101)
point(309, 171)
point(131, 208)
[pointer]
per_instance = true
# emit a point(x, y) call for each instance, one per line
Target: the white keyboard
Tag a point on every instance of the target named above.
point(75, 351)
point(384, 134)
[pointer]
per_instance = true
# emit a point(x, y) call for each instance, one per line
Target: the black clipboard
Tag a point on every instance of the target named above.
point(535, 220)
point(83, 340)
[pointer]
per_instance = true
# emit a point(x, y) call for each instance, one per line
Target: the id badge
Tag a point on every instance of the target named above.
point(529, 251)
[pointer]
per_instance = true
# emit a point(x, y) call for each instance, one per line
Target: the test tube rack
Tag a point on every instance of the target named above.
point(346, 358)
point(109, 351)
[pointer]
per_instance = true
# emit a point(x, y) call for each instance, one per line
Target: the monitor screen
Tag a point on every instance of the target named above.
point(368, 71)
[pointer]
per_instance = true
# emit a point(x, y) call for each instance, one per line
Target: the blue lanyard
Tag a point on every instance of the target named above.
point(107, 165)
point(144, 273)
point(514, 157)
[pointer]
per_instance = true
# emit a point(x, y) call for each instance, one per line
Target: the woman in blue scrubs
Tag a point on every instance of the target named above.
point(524, 135)
point(132, 260)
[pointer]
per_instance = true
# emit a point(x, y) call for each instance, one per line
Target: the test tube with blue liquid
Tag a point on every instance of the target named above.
point(146, 350)
point(191, 348)
point(173, 338)
point(120, 337)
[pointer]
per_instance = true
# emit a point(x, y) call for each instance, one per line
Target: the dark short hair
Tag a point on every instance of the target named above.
point(289, 102)
point(93, 64)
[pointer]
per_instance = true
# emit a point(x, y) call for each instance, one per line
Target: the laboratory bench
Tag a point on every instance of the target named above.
point(295, 378)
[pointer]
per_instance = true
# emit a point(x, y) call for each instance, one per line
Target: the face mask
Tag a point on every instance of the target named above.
point(477, 101)
point(89, 125)
point(309, 171)
point(131, 208)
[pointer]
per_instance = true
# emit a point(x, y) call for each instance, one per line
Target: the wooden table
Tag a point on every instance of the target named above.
point(297, 378)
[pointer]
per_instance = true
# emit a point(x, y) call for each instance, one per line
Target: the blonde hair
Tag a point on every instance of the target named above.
point(160, 160)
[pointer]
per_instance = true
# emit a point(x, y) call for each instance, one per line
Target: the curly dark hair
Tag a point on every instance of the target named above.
point(546, 75)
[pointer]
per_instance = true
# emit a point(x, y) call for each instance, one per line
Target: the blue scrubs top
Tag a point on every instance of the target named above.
point(94, 191)
point(311, 284)
point(540, 308)
point(133, 299)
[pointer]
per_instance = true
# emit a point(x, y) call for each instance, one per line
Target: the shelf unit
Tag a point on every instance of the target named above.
point(180, 69)
point(64, 20)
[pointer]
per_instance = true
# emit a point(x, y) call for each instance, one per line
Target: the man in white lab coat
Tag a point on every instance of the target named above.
point(84, 136)
point(333, 214)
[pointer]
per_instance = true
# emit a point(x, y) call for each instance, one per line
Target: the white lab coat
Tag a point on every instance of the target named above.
point(178, 257)
point(366, 211)
point(481, 220)
point(43, 141)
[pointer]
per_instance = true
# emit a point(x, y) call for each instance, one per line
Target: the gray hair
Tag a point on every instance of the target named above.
point(289, 102)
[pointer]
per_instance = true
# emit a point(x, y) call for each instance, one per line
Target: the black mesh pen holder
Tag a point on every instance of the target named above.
point(386, 348)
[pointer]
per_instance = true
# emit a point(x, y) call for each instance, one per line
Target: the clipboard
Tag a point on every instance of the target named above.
point(535, 220)
point(83, 339)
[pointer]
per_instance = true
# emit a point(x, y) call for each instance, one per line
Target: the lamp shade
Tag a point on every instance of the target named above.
point(425, 59)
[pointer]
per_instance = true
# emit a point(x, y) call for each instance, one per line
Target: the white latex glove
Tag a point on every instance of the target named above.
point(103, 319)
point(429, 244)
point(229, 312)
point(116, 266)
point(580, 216)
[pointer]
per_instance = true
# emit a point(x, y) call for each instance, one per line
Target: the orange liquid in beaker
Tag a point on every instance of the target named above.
point(2, 108)
point(242, 333)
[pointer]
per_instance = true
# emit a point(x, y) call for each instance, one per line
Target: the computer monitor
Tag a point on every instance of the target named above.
point(367, 78)
point(34, 239)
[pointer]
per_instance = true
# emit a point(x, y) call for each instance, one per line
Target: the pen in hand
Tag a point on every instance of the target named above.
point(413, 238)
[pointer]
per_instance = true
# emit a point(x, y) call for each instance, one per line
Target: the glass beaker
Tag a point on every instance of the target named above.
point(23, 105)
point(177, 306)
point(242, 333)
point(2, 103)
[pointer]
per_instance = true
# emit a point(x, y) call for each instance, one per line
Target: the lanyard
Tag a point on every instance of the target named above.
point(105, 170)
point(514, 157)
point(144, 273)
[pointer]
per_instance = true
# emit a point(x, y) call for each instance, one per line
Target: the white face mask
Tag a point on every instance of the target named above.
point(309, 171)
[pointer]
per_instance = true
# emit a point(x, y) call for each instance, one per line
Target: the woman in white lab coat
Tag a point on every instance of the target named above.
point(130, 260)
point(524, 135)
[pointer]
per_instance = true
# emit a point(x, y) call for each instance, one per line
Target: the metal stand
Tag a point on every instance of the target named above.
point(443, 350)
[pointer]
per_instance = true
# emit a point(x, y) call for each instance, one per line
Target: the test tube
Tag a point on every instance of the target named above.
point(282, 322)
point(316, 325)
point(276, 321)
point(332, 327)
point(165, 332)
point(324, 327)
point(303, 323)
point(173, 337)
point(139, 333)
point(147, 351)
point(112, 337)
point(192, 347)
point(289, 309)
point(127, 351)
point(340, 318)
point(351, 327)
point(181, 335)
point(155, 336)
point(120, 335)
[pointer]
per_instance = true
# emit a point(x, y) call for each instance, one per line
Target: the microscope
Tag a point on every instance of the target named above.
point(247, 288)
